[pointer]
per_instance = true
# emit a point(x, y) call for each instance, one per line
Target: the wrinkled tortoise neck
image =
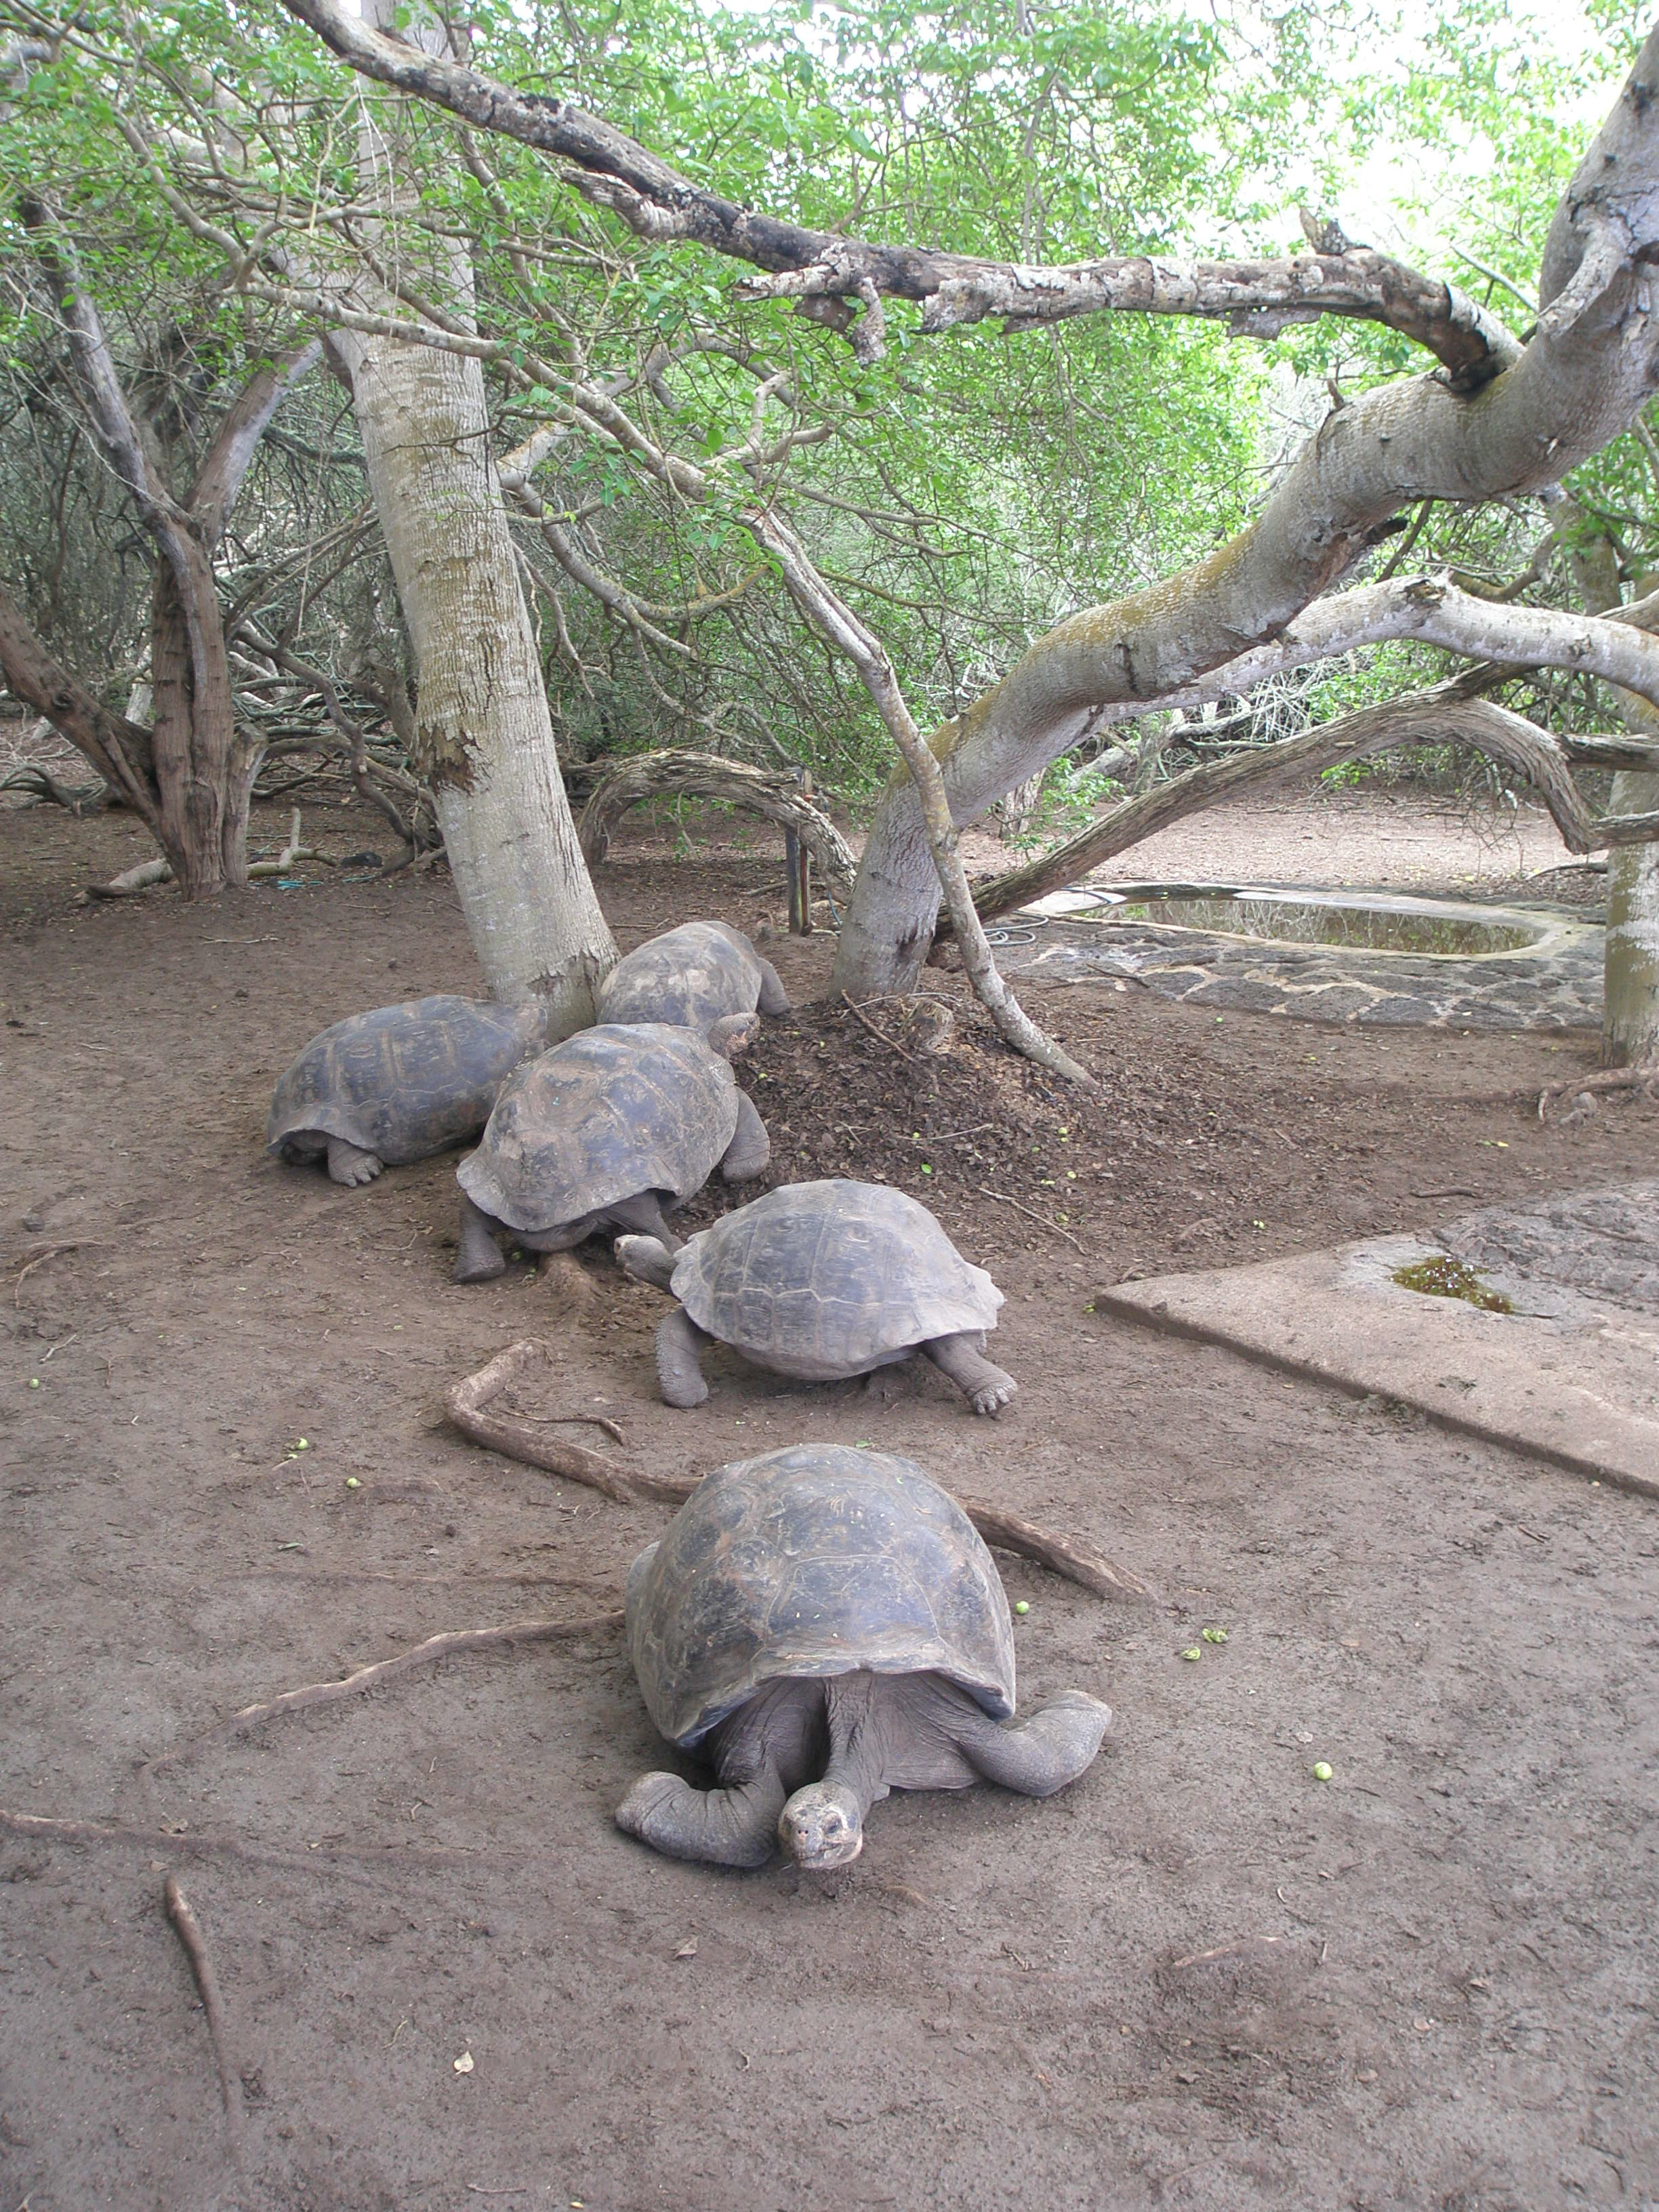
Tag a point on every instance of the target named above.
point(822, 1825)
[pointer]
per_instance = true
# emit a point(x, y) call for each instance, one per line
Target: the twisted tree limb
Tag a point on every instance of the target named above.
point(707, 775)
point(468, 1403)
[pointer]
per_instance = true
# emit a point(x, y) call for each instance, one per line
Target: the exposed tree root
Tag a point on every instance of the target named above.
point(467, 1402)
point(189, 1931)
point(346, 1861)
point(1643, 1076)
point(385, 1670)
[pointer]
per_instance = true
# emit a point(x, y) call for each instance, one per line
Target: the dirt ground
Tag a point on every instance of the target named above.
point(1201, 1978)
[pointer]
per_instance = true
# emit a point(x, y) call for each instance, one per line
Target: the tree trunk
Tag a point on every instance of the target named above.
point(1630, 1020)
point(1630, 967)
point(483, 732)
point(205, 769)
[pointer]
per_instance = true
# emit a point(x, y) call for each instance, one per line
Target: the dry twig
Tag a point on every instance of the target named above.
point(1041, 1220)
point(51, 1252)
point(189, 1931)
point(880, 1035)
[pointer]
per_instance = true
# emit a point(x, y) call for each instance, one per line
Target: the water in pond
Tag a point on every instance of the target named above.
point(1299, 921)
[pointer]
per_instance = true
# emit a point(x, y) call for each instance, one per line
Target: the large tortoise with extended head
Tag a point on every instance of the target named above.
point(399, 1083)
point(692, 975)
point(603, 1133)
point(823, 1280)
point(823, 1626)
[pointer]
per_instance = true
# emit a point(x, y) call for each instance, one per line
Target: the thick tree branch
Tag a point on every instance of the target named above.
point(658, 204)
point(119, 750)
point(1439, 717)
point(219, 479)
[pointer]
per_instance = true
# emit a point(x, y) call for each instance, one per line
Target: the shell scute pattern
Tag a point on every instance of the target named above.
point(691, 976)
point(406, 1080)
point(814, 1560)
point(612, 1112)
point(825, 1279)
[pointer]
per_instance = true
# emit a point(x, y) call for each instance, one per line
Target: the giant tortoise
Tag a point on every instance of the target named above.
point(692, 975)
point(823, 1280)
point(822, 1625)
point(602, 1133)
point(398, 1083)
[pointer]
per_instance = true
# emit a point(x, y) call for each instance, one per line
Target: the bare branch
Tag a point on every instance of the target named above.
point(657, 203)
point(848, 635)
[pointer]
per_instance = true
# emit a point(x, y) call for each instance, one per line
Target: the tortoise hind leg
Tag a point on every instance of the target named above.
point(750, 1147)
point(774, 999)
point(478, 1259)
point(351, 1164)
point(962, 1359)
point(736, 1827)
point(679, 1342)
point(1043, 1752)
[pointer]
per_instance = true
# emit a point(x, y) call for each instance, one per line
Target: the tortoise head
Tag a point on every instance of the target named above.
point(733, 1034)
point(822, 1827)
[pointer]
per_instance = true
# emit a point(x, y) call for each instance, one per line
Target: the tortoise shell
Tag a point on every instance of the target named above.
point(821, 1280)
point(408, 1080)
point(612, 1112)
point(691, 976)
point(815, 1561)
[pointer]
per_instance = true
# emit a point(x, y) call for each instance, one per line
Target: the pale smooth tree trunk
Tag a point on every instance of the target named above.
point(483, 732)
point(1630, 973)
point(1630, 1021)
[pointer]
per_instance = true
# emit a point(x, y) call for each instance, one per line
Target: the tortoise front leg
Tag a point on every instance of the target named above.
point(750, 1147)
point(479, 1259)
point(736, 1827)
point(350, 1164)
point(774, 999)
point(679, 1340)
point(962, 1359)
point(1041, 1754)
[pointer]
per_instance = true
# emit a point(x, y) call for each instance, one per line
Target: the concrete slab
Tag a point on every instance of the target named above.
point(1572, 1376)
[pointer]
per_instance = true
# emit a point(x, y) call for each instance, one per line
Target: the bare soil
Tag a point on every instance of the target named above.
point(1201, 1978)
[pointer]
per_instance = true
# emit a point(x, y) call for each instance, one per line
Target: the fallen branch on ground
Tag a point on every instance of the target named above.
point(51, 1252)
point(1041, 1221)
point(189, 1931)
point(343, 1858)
point(467, 1401)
